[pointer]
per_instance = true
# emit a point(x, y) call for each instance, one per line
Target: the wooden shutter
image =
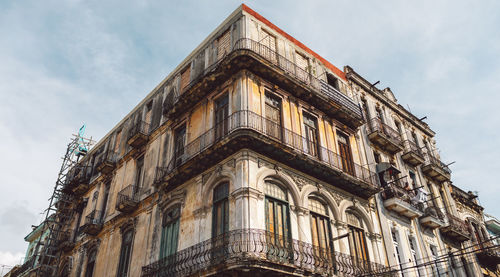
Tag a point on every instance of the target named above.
point(223, 45)
point(185, 77)
point(269, 41)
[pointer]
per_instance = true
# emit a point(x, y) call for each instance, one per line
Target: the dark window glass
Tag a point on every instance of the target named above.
point(170, 232)
point(221, 116)
point(220, 212)
point(345, 153)
point(311, 133)
point(125, 252)
point(273, 116)
point(277, 221)
point(89, 270)
point(180, 140)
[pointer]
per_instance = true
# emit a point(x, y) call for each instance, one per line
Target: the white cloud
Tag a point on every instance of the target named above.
point(8, 260)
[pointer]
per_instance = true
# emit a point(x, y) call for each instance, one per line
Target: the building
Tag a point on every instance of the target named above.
point(256, 156)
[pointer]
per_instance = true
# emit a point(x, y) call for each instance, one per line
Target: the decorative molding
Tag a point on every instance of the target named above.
point(231, 163)
point(300, 181)
point(177, 196)
point(201, 212)
point(129, 224)
point(340, 224)
point(374, 236)
point(247, 192)
point(299, 210)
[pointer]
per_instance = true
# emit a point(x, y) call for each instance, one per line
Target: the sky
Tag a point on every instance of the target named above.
point(65, 63)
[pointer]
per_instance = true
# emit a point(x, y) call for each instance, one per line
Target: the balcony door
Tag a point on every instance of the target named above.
point(180, 141)
point(278, 222)
point(311, 135)
point(170, 233)
point(357, 242)
point(269, 42)
point(221, 117)
point(345, 154)
point(320, 230)
point(273, 116)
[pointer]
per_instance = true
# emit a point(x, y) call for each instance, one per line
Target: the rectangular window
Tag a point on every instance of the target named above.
point(269, 41)
point(165, 150)
point(221, 116)
point(139, 172)
point(414, 254)
point(180, 141)
point(332, 81)
point(105, 202)
point(185, 77)
point(223, 44)
point(302, 67)
point(273, 116)
point(149, 112)
point(397, 250)
point(311, 134)
point(220, 213)
point(170, 233)
point(118, 139)
point(345, 153)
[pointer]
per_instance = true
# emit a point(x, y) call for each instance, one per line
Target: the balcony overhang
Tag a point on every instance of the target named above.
point(413, 158)
point(92, 228)
point(245, 56)
point(436, 173)
point(138, 140)
point(127, 205)
point(454, 234)
point(402, 207)
point(81, 188)
point(249, 139)
point(383, 142)
point(106, 167)
point(431, 222)
point(489, 256)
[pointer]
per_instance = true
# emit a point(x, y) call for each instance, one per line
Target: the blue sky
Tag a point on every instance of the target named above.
point(68, 62)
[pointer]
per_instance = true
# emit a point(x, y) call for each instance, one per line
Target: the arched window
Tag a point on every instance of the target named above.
point(89, 270)
point(320, 228)
point(220, 211)
point(125, 253)
point(277, 214)
point(357, 241)
point(170, 232)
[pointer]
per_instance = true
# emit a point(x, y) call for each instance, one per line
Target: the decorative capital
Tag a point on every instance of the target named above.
point(247, 192)
point(201, 212)
point(299, 210)
point(340, 224)
point(374, 237)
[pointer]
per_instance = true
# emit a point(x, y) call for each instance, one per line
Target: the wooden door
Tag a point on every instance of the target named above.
point(345, 154)
point(273, 116)
point(311, 135)
point(180, 140)
point(221, 117)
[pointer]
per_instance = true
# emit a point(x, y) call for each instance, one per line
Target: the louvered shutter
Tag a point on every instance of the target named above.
point(223, 45)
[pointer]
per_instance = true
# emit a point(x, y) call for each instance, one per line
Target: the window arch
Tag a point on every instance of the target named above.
point(220, 211)
point(89, 269)
point(125, 252)
point(357, 238)
point(321, 234)
point(170, 232)
point(277, 214)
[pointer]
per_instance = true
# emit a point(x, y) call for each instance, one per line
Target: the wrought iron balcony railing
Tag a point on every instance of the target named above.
point(93, 223)
point(106, 162)
point(456, 228)
point(413, 154)
point(433, 217)
point(436, 169)
point(401, 200)
point(287, 67)
point(384, 136)
point(250, 121)
point(252, 247)
point(128, 198)
point(488, 253)
point(138, 134)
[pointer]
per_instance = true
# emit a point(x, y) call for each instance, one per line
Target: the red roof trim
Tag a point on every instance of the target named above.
point(333, 68)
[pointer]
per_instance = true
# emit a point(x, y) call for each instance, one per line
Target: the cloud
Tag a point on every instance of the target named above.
point(65, 63)
point(8, 260)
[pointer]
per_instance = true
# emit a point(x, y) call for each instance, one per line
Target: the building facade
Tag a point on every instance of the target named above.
point(256, 156)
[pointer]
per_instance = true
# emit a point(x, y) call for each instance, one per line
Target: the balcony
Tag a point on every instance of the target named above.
point(128, 199)
point(263, 61)
point(77, 179)
point(64, 241)
point(466, 198)
point(488, 253)
point(138, 134)
point(413, 154)
point(106, 162)
point(248, 130)
point(400, 200)
point(436, 170)
point(241, 251)
point(456, 230)
point(433, 218)
point(384, 137)
point(93, 223)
